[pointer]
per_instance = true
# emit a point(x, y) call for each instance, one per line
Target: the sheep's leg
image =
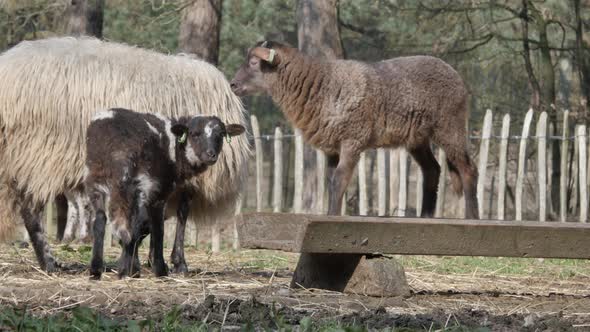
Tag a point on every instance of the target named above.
point(459, 162)
point(61, 204)
point(177, 256)
point(72, 217)
point(34, 225)
point(157, 237)
point(431, 172)
point(129, 264)
point(331, 271)
point(348, 158)
point(97, 263)
point(84, 216)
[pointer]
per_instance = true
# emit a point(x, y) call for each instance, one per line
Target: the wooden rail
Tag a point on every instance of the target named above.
point(412, 236)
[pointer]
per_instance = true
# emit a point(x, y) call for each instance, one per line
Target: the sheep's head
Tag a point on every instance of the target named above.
point(262, 59)
point(202, 137)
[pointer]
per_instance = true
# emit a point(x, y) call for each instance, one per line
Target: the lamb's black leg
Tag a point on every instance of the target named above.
point(34, 225)
point(157, 237)
point(177, 256)
point(97, 263)
point(140, 223)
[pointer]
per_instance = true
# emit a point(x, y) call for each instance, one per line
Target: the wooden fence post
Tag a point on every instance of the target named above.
point(563, 168)
point(236, 239)
point(403, 182)
point(277, 188)
point(442, 184)
point(582, 152)
point(542, 165)
point(502, 166)
point(321, 181)
point(259, 161)
point(362, 174)
point(419, 190)
point(575, 194)
point(215, 235)
point(484, 148)
point(522, 162)
point(381, 183)
point(298, 173)
point(393, 181)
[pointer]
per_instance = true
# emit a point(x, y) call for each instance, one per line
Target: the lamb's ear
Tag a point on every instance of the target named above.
point(180, 131)
point(268, 55)
point(234, 129)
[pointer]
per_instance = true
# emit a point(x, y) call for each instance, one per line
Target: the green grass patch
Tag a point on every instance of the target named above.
point(561, 268)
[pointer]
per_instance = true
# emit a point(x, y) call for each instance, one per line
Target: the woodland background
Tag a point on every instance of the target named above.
point(513, 54)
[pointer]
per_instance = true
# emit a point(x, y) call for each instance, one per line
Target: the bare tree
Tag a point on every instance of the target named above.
point(199, 29)
point(85, 17)
point(319, 36)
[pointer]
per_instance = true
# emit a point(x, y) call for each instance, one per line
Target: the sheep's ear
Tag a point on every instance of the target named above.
point(268, 55)
point(234, 129)
point(180, 131)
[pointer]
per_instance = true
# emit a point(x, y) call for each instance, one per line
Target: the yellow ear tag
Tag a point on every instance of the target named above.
point(228, 138)
point(182, 139)
point(271, 56)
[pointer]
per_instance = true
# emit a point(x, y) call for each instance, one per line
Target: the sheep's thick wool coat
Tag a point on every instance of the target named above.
point(50, 90)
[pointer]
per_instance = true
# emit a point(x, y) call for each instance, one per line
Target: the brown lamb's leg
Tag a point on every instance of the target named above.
point(459, 162)
point(331, 271)
point(431, 171)
point(348, 158)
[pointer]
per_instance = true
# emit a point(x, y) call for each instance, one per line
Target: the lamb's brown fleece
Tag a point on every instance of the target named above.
point(345, 107)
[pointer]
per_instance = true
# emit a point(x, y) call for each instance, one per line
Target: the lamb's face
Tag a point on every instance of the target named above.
point(204, 138)
point(250, 79)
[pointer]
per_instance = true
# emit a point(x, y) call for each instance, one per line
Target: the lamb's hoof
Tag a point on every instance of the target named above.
point(95, 272)
point(180, 268)
point(160, 270)
point(95, 275)
point(52, 266)
point(20, 244)
point(124, 273)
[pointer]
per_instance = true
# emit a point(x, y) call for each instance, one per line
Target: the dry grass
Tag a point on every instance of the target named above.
point(265, 275)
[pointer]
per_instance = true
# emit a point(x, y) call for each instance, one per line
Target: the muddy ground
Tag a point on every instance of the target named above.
point(231, 289)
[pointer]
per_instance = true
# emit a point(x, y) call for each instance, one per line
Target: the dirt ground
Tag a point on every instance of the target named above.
point(230, 289)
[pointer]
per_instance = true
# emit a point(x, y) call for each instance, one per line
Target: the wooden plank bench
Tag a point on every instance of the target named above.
point(332, 246)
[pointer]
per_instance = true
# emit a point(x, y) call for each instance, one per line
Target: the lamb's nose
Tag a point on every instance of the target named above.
point(233, 85)
point(211, 154)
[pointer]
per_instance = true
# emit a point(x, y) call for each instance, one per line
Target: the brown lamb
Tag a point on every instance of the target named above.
point(344, 107)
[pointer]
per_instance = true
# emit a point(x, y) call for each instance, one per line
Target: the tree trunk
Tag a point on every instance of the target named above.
point(543, 87)
point(199, 29)
point(318, 35)
point(85, 17)
point(582, 61)
point(318, 32)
